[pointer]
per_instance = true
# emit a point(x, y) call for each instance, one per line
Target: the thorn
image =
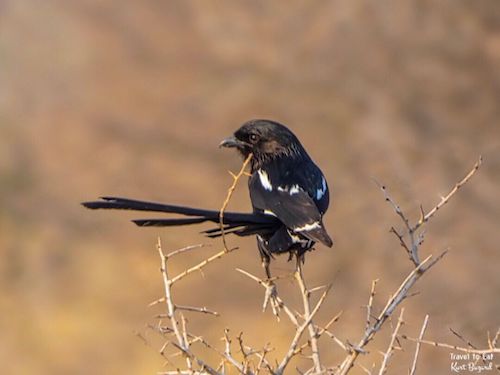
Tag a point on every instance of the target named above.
point(422, 215)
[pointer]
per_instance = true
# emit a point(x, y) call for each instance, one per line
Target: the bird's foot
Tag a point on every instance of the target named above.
point(271, 298)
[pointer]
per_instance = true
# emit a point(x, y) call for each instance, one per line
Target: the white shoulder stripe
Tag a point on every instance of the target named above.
point(307, 227)
point(264, 180)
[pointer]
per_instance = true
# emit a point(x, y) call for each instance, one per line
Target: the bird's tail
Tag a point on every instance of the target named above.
point(242, 224)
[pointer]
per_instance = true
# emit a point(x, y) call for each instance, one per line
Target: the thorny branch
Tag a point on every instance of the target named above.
point(182, 343)
point(424, 218)
point(249, 361)
point(420, 267)
point(179, 329)
point(390, 349)
point(412, 229)
point(298, 334)
point(230, 192)
point(370, 304)
point(291, 314)
point(413, 369)
point(393, 302)
point(313, 333)
point(295, 318)
point(494, 350)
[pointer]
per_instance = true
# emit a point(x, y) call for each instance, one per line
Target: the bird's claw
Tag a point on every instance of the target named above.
point(271, 298)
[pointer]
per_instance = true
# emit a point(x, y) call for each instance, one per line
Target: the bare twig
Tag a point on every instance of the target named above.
point(226, 355)
point(413, 248)
point(182, 342)
point(228, 198)
point(408, 283)
point(367, 371)
point(185, 249)
point(387, 311)
point(205, 368)
point(448, 346)
point(413, 369)
point(299, 276)
point(390, 349)
point(325, 330)
point(168, 297)
point(291, 315)
point(298, 334)
point(202, 310)
point(202, 264)
point(425, 218)
point(229, 356)
point(401, 241)
point(186, 340)
point(243, 350)
point(416, 241)
point(463, 339)
point(263, 361)
point(370, 304)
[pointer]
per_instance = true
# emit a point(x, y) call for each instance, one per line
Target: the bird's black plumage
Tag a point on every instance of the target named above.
point(289, 195)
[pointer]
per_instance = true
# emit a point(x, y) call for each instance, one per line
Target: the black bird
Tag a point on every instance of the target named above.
point(288, 191)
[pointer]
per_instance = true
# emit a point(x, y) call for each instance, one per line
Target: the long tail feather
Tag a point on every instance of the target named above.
point(136, 205)
point(202, 215)
point(168, 222)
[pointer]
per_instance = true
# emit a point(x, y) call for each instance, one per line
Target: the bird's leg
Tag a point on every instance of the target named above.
point(266, 263)
point(300, 259)
point(271, 292)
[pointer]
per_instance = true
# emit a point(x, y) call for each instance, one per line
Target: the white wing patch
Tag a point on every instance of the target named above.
point(295, 189)
point(295, 238)
point(264, 180)
point(307, 227)
point(304, 243)
point(320, 192)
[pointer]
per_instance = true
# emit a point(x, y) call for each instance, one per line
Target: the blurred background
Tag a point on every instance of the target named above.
point(132, 98)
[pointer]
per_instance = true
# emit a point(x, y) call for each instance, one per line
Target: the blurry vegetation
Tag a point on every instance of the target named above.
point(132, 98)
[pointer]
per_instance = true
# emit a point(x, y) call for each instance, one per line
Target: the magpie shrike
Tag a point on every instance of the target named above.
point(289, 195)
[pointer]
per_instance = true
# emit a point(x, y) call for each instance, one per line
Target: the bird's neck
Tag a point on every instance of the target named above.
point(270, 161)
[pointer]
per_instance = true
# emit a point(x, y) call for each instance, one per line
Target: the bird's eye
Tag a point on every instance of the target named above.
point(253, 137)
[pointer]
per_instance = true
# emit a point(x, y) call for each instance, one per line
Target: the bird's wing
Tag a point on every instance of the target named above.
point(291, 205)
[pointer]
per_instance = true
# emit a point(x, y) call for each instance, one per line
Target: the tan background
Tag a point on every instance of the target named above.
point(131, 98)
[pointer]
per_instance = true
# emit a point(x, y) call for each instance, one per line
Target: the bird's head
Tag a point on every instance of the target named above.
point(265, 139)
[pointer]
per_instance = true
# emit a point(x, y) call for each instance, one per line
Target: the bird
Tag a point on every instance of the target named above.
point(288, 192)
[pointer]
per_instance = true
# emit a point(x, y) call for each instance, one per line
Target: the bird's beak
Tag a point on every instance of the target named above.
point(230, 142)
